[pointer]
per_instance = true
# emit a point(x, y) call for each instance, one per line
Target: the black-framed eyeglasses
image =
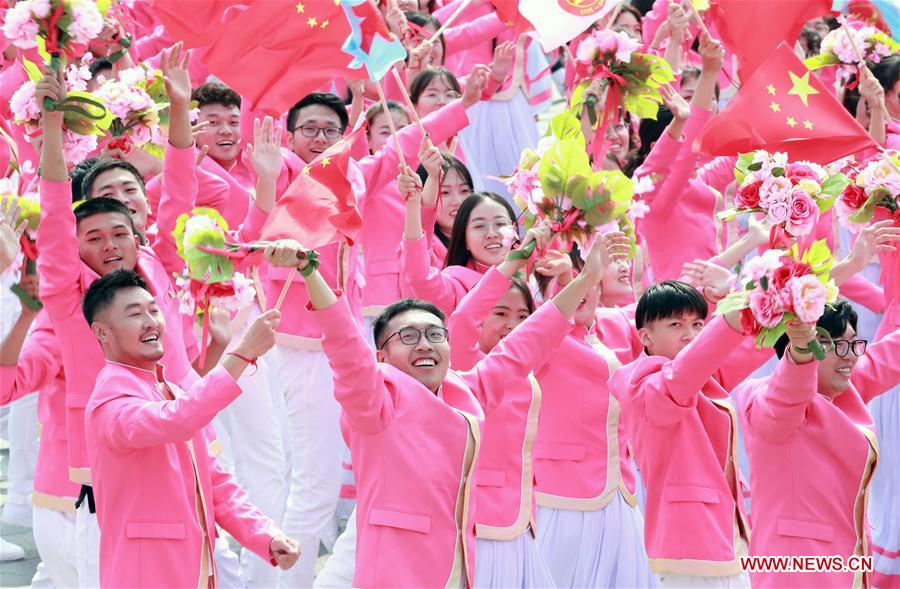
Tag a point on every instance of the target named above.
point(842, 347)
point(411, 336)
point(311, 131)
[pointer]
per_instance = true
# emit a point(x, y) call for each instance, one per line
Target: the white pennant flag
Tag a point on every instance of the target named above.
point(559, 21)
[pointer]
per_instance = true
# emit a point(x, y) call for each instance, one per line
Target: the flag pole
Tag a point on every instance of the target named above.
point(614, 15)
point(284, 289)
point(446, 24)
point(409, 103)
point(862, 60)
point(390, 121)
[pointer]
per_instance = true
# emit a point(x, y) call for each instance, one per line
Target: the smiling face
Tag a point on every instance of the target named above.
point(318, 119)
point(122, 186)
point(107, 243)
point(668, 336)
point(437, 94)
point(223, 134)
point(425, 361)
point(834, 372)
point(131, 329)
point(484, 232)
point(380, 131)
point(454, 190)
point(615, 286)
point(510, 311)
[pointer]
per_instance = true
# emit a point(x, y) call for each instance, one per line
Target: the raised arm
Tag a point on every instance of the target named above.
point(878, 371)
point(29, 368)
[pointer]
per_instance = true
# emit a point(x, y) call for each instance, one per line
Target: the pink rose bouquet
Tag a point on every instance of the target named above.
point(836, 49)
point(138, 101)
point(875, 186)
point(780, 287)
point(790, 195)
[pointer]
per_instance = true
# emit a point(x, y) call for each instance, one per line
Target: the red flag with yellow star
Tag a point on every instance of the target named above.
point(319, 207)
point(276, 52)
point(752, 29)
point(782, 107)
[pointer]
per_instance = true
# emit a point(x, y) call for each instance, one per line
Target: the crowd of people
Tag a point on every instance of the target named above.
point(449, 397)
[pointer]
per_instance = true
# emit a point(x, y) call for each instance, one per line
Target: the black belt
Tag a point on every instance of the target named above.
point(87, 492)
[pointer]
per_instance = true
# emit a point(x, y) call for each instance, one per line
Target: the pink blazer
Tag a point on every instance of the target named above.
point(383, 208)
point(64, 279)
point(504, 477)
point(682, 429)
point(442, 288)
point(811, 462)
point(144, 449)
point(39, 368)
point(408, 445)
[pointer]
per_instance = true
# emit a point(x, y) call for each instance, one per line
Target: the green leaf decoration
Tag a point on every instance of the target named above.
point(34, 73)
point(773, 334)
point(202, 265)
point(742, 166)
point(819, 257)
point(819, 61)
point(834, 185)
point(867, 211)
point(735, 301)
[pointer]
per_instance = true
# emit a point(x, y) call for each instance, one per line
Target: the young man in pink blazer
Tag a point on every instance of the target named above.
point(160, 493)
point(682, 429)
point(414, 426)
point(812, 448)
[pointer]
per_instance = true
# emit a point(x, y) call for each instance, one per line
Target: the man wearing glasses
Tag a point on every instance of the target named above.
point(812, 447)
point(414, 424)
point(316, 123)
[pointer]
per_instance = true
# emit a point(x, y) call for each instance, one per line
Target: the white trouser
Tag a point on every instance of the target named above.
point(256, 447)
point(23, 451)
point(87, 547)
point(55, 540)
point(313, 418)
point(228, 566)
point(741, 581)
point(340, 567)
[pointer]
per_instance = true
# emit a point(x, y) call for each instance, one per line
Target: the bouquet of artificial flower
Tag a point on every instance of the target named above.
point(137, 99)
point(837, 49)
point(82, 125)
point(60, 28)
point(30, 212)
point(782, 286)
point(791, 195)
point(876, 186)
point(631, 79)
point(560, 185)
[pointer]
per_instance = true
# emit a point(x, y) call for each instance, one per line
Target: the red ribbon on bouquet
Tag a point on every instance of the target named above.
point(610, 110)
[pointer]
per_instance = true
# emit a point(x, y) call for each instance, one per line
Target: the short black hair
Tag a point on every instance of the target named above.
point(100, 206)
point(215, 93)
point(834, 320)
point(458, 253)
point(326, 99)
point(102, 292)
point(78, 173)
point(98, 65)
point(398, 307)
point(671, 298)
point(104, 165)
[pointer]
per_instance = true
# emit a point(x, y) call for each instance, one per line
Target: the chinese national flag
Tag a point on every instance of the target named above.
point(752, 29)
point(201, 24)
point(319, 207)
point(276, 52)
point(508, 13)
point(783, 107)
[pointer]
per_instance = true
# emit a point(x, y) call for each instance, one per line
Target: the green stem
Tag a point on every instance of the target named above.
point(49, 104)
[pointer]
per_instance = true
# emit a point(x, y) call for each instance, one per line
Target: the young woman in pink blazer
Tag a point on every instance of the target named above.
point(413, 424)
point(808, 425)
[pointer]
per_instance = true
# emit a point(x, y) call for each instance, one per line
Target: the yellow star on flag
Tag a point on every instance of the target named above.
point(326, 162)
point(300, 8)
point(306, 169)
point(801, 87)
point(808, 124)
point(792, 122)
point(312, 21)
point(770, 89)
point(775, 106)
point(324, 24)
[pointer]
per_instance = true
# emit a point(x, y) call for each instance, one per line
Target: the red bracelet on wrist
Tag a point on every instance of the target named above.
point(251, 362)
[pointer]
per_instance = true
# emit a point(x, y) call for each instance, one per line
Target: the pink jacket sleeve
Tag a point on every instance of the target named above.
point(464, 324)
point(426, 281)
point(878, 370)
point(38, 364)
point(777, 408)
point(59, 265)
point(659, 162)
point(463, 37)
point(718, 173)
point(860, 290)
point(685, 164)
point(359, 386)
point(134, 422)
point(237, 515)
point(518, 354)
point(179, 192)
